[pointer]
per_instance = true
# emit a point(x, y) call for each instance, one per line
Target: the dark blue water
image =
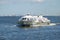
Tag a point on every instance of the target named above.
point(9, 30)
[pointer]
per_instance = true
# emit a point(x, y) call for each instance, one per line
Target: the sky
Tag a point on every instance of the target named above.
point(34, 7)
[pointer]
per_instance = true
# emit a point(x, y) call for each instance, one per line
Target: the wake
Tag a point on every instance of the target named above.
point(51, 24)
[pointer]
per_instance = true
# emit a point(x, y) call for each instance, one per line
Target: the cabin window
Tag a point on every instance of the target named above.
point(28, 19)
point(23, 18)
point(31, 19)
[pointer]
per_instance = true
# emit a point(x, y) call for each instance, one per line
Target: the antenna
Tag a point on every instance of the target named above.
point(28, 13)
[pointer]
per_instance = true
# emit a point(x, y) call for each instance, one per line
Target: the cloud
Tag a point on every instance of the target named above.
point(19, 1)
point(3, 2)
point(8, 1)
point(38, 1)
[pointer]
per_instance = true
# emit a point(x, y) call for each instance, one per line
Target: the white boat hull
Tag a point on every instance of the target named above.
point(35, 24)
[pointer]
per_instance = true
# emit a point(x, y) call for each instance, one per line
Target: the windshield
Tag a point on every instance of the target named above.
point(23, 18)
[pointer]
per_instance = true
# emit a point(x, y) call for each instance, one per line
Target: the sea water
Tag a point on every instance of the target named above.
point(9, 30)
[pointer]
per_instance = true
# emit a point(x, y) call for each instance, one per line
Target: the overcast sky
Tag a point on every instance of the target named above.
point(35, 7)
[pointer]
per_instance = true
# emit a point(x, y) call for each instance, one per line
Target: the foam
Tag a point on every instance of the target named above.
point(51, 24)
